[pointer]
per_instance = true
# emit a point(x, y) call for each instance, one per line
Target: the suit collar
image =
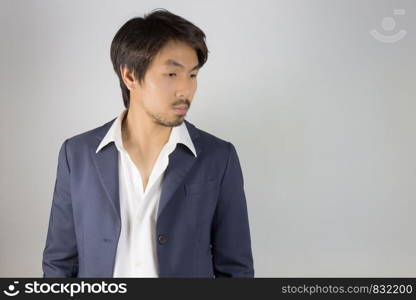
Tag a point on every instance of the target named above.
point(102, 131)
point(179, 134)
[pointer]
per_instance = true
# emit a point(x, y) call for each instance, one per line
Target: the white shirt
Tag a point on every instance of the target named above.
point(136, 254)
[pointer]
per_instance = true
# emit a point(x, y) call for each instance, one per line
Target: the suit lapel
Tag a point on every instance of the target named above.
point(106, 164)
point(181, 161)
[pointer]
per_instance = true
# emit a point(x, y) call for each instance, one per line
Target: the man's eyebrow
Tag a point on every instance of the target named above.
point(171, 62)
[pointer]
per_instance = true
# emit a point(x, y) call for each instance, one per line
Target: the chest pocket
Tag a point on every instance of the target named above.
point(200, 187)
point(201, 198)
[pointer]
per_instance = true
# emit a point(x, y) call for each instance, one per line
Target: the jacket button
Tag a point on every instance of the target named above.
point(162, 239)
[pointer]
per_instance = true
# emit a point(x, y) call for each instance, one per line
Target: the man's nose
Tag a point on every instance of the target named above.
point(184, 88)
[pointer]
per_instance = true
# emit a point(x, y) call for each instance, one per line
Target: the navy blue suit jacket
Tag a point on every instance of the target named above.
point(202, 227)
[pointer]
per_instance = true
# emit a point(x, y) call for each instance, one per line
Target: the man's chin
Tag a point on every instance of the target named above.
point(178, 123)
point(173, 123)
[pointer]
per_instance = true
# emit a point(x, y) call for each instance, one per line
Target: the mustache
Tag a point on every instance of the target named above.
point(182, 102)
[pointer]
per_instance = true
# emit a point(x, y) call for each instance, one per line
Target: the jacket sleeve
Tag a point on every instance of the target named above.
point(230, 234)
point(60, 256)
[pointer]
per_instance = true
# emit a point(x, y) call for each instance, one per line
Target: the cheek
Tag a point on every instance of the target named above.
point(160, 85)
point(158, 93)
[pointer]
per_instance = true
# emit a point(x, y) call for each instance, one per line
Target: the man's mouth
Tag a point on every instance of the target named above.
point(181, 109)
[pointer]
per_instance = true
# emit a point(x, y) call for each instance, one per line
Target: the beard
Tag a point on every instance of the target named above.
point(163, 121)
point(160, 120)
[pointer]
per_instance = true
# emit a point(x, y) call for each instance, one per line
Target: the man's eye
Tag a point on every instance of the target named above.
point(172, 74)
point(193, 75)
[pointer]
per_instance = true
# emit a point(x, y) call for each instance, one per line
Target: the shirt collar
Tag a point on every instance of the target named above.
point(179, 134)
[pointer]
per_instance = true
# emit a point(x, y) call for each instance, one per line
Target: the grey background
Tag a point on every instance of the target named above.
point(320, 112)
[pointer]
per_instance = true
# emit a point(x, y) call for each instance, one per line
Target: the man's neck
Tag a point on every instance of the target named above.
point(141, 132)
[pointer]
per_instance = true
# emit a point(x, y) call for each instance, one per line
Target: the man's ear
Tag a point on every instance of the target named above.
point(127, 76)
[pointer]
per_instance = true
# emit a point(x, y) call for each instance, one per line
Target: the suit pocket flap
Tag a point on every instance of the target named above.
point(200, 187)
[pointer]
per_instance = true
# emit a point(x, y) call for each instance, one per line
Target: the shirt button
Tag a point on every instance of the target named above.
point(162, 239)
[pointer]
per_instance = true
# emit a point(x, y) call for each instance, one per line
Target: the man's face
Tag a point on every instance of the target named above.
point(169, 84)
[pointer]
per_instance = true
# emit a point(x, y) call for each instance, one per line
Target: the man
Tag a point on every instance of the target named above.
point(148, 194)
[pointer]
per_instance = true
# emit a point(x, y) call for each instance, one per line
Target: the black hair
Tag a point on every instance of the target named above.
point(138, 41)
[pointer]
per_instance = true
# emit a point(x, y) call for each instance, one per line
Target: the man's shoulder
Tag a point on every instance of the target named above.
point(203, 138)
point(208, 140)
point(90, 137)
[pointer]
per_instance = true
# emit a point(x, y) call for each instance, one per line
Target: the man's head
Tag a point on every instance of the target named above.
point(156, 59)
